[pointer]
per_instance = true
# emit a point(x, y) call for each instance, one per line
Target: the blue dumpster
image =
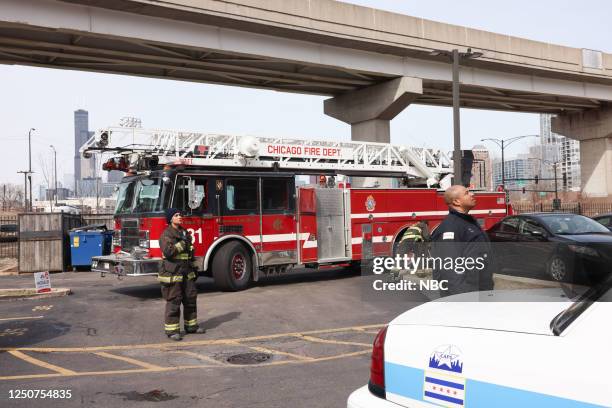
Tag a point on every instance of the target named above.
point(87, 242)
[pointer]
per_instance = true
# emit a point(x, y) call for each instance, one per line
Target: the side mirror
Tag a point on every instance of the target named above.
point(537, 234)
point(192, 200)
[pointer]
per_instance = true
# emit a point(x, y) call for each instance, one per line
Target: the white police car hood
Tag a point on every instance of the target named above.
point(522, 311)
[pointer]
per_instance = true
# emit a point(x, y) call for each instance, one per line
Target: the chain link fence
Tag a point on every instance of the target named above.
point(588, 209)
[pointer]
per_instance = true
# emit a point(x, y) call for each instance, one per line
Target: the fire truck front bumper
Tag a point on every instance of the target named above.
point(125, 265)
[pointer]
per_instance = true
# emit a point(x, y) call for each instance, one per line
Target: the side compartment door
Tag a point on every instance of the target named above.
point(278, 221)
point(331, 229)
point(307, 221)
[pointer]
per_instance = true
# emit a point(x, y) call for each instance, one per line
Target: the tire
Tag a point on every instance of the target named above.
point(558, 269)
point(232, 267)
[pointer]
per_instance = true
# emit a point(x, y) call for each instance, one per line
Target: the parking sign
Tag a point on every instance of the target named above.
point(42, 281)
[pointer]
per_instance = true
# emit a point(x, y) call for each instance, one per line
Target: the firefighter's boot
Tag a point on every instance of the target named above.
point(175, 337)
point(199, 330)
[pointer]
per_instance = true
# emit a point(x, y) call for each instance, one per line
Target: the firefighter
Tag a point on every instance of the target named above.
point(414, 238)
point(460, 239)
point(177, 277)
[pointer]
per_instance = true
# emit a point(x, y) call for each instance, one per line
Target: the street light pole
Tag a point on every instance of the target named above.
point(556, 188)
point(456, 57)
point(30, 165)
point(503, 143)
point(54, 173)
point(457, 164)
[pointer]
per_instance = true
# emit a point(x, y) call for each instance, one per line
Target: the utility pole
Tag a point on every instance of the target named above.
point(25, 190)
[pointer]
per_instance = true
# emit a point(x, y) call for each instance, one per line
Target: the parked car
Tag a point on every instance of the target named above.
point(68, 209)
point(543, 352)
point(565, 247)
point(605, 220)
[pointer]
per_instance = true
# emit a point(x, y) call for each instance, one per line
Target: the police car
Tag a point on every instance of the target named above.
point(541, 351)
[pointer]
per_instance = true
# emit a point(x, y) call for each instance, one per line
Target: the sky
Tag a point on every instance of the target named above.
point(45, 99)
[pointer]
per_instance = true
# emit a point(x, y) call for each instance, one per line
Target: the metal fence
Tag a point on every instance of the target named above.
point(588, 209)
point(9, 236)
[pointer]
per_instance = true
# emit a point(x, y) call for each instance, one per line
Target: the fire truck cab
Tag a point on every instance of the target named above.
point(251, 220)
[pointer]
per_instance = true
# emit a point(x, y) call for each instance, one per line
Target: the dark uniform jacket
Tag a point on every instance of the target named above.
point(176, 265)
point(460, 238)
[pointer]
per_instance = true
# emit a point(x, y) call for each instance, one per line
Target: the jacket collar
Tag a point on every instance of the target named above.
point(466, 217)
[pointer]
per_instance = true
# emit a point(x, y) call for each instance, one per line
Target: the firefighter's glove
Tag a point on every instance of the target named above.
point(180, 246)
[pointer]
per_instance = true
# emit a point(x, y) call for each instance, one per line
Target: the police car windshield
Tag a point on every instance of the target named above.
point(142, 196)
point(600, 292)
point(571, 224)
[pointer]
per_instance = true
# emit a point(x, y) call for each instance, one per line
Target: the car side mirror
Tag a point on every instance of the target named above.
point(537, 234)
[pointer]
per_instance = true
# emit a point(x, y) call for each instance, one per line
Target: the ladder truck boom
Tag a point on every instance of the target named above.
point(428, 166)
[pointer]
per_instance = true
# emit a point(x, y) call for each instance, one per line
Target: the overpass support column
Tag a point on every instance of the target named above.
point(370, 110)
point(594, 131)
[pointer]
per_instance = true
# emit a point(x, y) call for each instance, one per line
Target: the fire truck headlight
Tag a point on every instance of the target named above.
point(117, 238)
point(143, 240)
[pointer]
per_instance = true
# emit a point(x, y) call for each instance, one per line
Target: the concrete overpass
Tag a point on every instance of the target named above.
point(372, 63)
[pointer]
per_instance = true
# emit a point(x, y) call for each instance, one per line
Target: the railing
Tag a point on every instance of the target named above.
point(9, 237)
point(588, 209)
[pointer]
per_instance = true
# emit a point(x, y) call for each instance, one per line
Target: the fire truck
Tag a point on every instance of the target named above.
point(247, 215)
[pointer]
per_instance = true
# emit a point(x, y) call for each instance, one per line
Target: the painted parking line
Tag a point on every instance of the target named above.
point(6, 319)
point(327, 341)
point(129, 360)
point(145, 367)
point(192, 343)
point(40, 363)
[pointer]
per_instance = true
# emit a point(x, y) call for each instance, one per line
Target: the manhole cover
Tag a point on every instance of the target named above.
point(248, 358)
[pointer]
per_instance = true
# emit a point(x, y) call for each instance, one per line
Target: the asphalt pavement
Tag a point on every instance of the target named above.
point(300, 340)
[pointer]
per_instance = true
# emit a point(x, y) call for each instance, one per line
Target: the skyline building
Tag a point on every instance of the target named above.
point(482, 169)
point(561, 149)
point(83, 168)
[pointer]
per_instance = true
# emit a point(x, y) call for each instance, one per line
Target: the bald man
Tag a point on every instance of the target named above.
point(460, 239)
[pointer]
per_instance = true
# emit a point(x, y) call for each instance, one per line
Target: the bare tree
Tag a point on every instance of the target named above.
point(11, 196)
point(46, 173)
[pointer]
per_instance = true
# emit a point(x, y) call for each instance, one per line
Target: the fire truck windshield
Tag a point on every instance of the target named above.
point(143, 196)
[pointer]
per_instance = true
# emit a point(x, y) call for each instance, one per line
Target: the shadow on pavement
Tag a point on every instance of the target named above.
point(21, 333)
point(302, 276)
point(217, 321)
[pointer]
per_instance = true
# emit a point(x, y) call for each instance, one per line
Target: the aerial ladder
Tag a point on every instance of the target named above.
point(140, 149)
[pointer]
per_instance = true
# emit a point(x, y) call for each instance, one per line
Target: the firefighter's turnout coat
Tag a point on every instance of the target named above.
point(177, 278)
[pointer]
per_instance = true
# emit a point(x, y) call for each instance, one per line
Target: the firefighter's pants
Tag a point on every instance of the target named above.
point(174, 294)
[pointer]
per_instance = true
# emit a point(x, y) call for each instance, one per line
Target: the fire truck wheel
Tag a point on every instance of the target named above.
point(232, 267)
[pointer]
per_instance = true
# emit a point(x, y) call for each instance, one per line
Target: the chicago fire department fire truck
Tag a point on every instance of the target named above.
point(245, 213)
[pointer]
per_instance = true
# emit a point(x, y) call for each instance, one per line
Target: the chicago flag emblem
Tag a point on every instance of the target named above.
point(443, 384)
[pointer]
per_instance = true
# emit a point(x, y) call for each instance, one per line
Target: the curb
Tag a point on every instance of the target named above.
point(527, 281)
point(13, 294)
